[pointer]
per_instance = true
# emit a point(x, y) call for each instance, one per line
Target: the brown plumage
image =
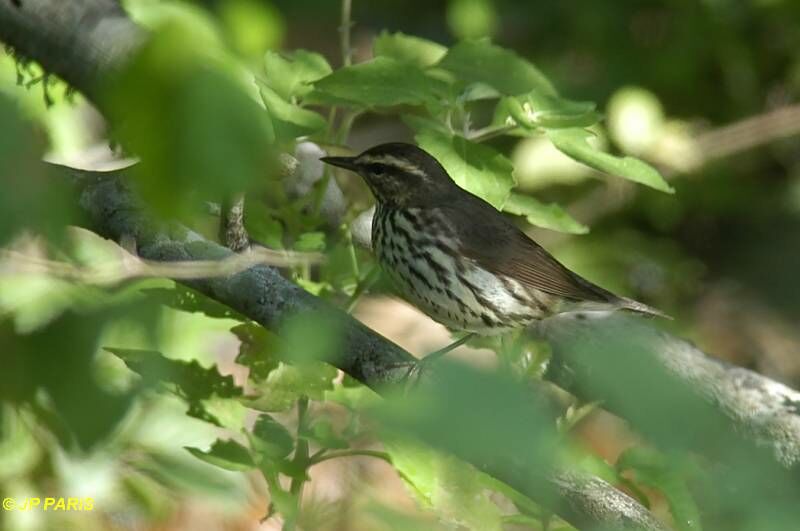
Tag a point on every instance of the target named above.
point(459, 259)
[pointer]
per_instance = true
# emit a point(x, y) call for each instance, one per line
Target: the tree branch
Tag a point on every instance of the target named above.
point(761, 412)
point(261, 293)
point(82, 41)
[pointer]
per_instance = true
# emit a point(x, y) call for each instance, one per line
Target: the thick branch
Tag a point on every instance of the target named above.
point(82, 41)
point(607, 357)
point(262, 294)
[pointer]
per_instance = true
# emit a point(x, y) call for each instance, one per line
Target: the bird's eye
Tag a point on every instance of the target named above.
point(376, 168)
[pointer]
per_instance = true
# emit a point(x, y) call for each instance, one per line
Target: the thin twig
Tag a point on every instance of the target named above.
point(131, 267)
point(344, 33)
point(300, 461)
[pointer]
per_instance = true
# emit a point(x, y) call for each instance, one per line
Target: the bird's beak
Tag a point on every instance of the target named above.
point(347, 163)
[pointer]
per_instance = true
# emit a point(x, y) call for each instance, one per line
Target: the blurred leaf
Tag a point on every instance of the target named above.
point(271, 438)
point(229, 455)
point(258, 349)
point(310, 337)
point(199, 135)
point(322, 432)
point(290, 121)
point(408, 48)
point(290, 74)
point(481, 61)
point(188, 300)
point(381, 82)
point(651, 468)
point(32, 196)
point(192, 382)
point(453, 489)
point(287, 383)
point(573, 142)
point(181, 473)
point(53, 370)
point(550, 216)
point(310, 242)
point(32, 301)
point(475, 167)
point(635, 119)
point(471, 19)
point(480, 417)
point(252, 25)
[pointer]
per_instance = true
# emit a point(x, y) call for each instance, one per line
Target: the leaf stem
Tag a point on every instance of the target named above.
point(300, 460)
point(362, 287)
point(490, 132)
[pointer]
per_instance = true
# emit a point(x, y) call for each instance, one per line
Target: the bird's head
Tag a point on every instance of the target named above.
point(398, 174)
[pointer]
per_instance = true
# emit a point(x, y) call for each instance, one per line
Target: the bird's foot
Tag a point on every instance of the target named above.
point(419, 366)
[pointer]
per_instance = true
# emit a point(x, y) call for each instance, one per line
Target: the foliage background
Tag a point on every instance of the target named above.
point(721, 255)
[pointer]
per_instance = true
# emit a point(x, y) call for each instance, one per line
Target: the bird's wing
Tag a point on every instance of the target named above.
point(501, 248)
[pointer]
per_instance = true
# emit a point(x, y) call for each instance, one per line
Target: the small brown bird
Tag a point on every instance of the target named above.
point(456, 257)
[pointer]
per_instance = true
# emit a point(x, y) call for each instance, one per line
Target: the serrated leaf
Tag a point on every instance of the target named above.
point(548, 216)
point(653, 469)
point(191, 381)
point(477, 168)
point(229, 455)
point(271, 439)
point(381, 82)
point(257, 349)
point(573, 142)
point(287, 383)
point(484, 62)
point(408, 49)
point(290, 74)
point(290, 121)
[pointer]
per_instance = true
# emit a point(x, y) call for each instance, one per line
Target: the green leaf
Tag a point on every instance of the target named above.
point(550, 216)
point(381, 82)
point(287, 383)
point(477, 168)
point(290, 121)
point(534, 110)
point(31, 196)
point(271, 439)
point(573, 142)
point(229, 455)
point(301, 347)
point(408, 49)
point(257, 349)
point(472, 19)
point(189, 379)
point(199, 134)
point(322, 433)
point(455, 490)
point(310, 242)
point(290, 74)
point(189, 300)
point(484, 62)
point(653, 469)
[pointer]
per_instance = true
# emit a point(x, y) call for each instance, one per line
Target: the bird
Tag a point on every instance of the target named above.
point(457, 258)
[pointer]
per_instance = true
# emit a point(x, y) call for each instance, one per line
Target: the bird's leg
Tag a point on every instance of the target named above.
point(419, 365)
